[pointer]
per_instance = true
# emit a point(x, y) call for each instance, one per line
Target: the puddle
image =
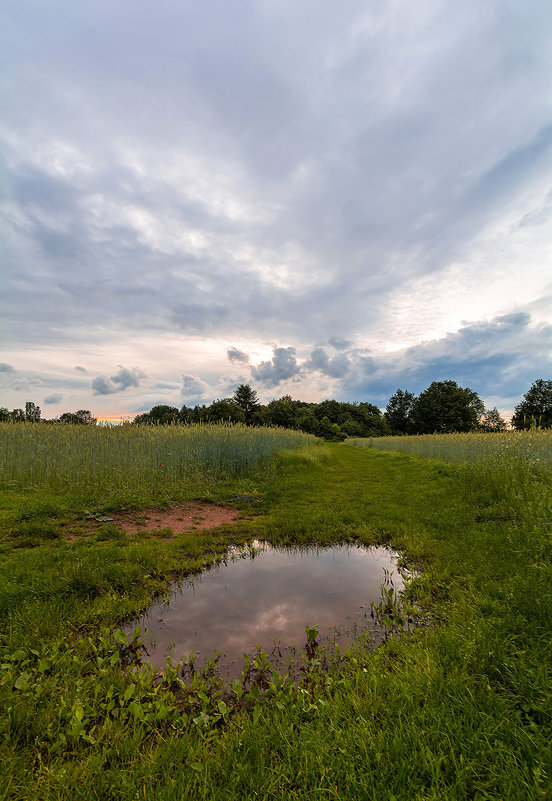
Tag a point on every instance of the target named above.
point(266, 597)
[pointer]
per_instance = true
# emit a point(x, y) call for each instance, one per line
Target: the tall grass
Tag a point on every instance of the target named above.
point(106, 461)
point(508, 474)
point(533, 448)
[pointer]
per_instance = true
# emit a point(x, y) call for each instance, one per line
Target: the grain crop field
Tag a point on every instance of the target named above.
point(457, 709)
point(532, 448)
point(126, 464)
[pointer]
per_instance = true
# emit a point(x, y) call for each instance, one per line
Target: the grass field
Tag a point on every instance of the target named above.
point(531, 449)
point(460, 709)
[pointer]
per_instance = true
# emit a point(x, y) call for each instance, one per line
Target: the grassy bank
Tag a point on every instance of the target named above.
point(460, 710)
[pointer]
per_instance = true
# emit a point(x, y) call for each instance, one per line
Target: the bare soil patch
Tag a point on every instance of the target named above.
point(178, 518)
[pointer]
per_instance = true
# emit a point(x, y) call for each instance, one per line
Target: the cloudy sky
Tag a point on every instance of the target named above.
point(322, 199)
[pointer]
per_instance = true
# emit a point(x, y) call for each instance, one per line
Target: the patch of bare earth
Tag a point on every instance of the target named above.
point(178, 518)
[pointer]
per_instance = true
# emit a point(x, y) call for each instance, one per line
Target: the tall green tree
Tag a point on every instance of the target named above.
point(248, 401)
point(445, 407)
point(225, 409)
point(398, 412)
point(536, 407)
point(32, 412)
point(284, 412)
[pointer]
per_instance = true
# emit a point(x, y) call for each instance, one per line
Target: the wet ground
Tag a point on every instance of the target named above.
point(266, 597)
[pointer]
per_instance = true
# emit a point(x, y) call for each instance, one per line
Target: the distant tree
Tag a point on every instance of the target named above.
point(330, 431)
point(4, 415)
point(139, 420)
point(32, 412)
point(371, 419)
point(197, 414)
point(17, 415)
point(398, 412)
point(536, 407)
point(352, 428)
point(330, 409)
point(85, 416)
point(185, 414)
point(80, 417)
point(248, 401)
point(225, 409)
point(284, 412)
point(445, 407)
point(306, 420)
point(160, 415)
point(492, 421)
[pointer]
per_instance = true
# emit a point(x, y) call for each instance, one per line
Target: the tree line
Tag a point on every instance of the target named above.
point(444, 407)
point(33, 414)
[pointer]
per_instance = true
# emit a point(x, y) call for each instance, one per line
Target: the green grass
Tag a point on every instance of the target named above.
point(460, 710)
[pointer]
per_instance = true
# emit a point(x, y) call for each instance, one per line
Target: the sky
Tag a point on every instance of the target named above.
point(327, 200)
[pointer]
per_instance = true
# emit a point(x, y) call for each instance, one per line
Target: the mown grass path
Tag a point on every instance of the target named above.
point(461, 710)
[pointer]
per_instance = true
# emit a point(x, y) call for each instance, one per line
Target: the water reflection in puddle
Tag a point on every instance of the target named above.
point(267, 600)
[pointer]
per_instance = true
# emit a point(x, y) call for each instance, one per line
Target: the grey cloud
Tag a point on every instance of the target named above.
point(235, 355)
point(282, 366)
point(103, 386)
point(6, 368)
point(54, 398)
point(80, 369)
point(500, 357)
point(514, 167)
point(289, 137)
point(339, 343)
point(201, 316)
point(228, 384)
point(25, 384)
point(335, 367)
point(133, 377)
point(128, 378)
point(194, 390)
point(35, 188)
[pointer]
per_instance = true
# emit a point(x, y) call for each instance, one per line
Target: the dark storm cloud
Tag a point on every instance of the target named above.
point(235, 355)
point(133, 377)
point(281, 367)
